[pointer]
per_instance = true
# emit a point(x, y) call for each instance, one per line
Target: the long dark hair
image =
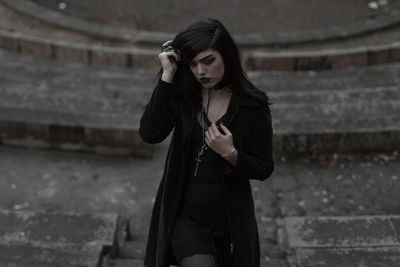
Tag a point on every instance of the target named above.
point(202, 35)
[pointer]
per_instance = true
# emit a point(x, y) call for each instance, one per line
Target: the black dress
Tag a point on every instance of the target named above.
point(249, 121)
point(202, 226)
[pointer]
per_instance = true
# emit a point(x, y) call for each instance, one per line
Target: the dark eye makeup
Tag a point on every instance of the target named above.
point(207, 60)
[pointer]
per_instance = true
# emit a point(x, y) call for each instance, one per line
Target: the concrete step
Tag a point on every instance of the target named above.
point(368, 257)
point(86, 183)
point(27, 256)
point(97, 109)
point(344, 111)
point(54, 239)
point(344, 241)
point(132, 249)
point(328, 22)
point(72, 106)
point(312, 241)
point(316, 49)
point(369, 49)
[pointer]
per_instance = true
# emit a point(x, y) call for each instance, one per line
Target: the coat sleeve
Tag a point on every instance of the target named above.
point(256, 161)
point(157, 120)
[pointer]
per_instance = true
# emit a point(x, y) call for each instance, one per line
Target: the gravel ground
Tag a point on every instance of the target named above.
point(47, 180)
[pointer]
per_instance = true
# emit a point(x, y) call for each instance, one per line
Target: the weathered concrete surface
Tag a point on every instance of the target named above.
point(395, 221)
point(54, 239)
point(72, 106)
point(336, 185)
point(267, 51)
point(354, 257)
point(276, 17)
point(57, 228)
point(343, 241)
point(310, 109)
point(277, 24)
point(28, 256)
point(324, 184)
point(320, 232)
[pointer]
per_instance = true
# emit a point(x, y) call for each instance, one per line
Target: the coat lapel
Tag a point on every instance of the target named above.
point(237, 101)
point(232, 110)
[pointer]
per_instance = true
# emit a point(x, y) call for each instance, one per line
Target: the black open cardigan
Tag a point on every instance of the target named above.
point(249, 120)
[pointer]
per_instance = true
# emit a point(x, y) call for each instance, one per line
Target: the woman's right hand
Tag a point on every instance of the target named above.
point(169, 64)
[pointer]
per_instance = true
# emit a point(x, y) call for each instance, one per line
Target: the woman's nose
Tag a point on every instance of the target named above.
point(201, 70)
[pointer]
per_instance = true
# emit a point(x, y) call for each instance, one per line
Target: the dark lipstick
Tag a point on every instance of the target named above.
point(205, 80)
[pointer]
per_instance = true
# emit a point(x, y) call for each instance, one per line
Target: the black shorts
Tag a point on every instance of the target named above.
point(202, 229)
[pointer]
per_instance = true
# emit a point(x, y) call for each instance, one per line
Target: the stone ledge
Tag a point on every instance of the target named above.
point(28, 256)
point(367, 257)
point(57, 229)
point(343, 241)
point(55, 18)
point(293, 145)
point(46, 128)
point(323, 59)
point(43, 105)
point(142, 54)
point(39, 111)
point(133, 57)
point(54, 239)
point(155, 38)
point(342, 232)
point(102, 141)
point(128, 57)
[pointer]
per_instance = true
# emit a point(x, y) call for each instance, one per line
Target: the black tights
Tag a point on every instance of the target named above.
point(199, 260)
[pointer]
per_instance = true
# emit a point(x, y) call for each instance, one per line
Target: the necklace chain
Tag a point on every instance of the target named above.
point(220, 109)
point(204, 111)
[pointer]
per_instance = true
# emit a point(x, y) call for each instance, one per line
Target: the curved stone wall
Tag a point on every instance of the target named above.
point(138, 49)
point(389, 17)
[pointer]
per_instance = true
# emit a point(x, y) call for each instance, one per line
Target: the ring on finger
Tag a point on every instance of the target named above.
point(164, 47)
point(168, 48)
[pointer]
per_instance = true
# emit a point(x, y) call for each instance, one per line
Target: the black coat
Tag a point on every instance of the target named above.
point(249, 121)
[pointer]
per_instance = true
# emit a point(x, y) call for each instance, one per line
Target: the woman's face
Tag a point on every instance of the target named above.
point(208, 68)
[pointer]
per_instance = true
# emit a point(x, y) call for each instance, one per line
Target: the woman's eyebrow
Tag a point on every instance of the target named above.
point(204, 58)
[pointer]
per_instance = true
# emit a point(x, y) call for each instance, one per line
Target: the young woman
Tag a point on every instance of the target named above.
point(222, 137)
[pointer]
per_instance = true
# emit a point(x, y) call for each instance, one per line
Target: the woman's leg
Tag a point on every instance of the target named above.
point(199, 260)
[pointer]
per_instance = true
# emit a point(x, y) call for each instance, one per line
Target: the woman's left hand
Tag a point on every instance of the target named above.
point(221, 143)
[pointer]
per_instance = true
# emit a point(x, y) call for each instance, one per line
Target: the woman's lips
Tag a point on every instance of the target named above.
point(205, 80)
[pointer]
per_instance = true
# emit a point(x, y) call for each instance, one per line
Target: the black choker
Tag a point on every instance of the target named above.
point(219, 86)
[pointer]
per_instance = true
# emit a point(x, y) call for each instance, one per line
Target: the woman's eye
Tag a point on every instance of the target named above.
point(192, 64)
point(210, 60)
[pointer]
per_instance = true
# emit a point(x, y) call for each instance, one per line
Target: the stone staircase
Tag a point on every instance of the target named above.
point(344, 241)
point(371, 241)
point(54, 239)
point(57, 198)
point(65, 239)
point(131, 246)
point(66, 38)
point(76, 87)
point(72, 106)
point(79, 107)
point(342, 110)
